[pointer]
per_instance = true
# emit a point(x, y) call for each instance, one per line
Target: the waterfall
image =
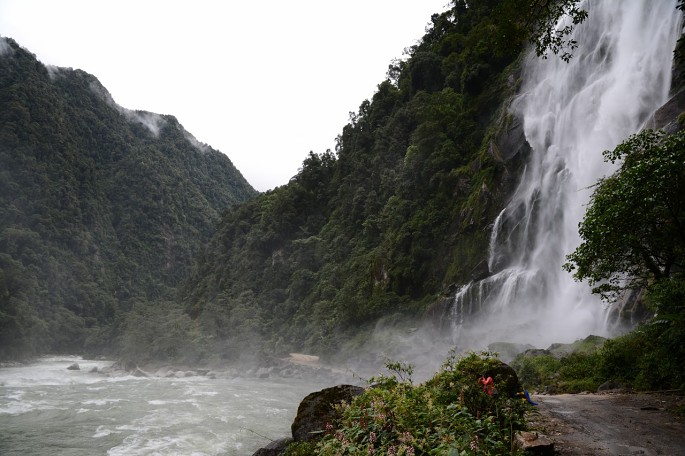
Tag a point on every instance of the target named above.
point(619, 75)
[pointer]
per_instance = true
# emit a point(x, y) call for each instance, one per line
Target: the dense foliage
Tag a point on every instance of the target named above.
point(449, 414)
point(633, 233)
point(633, 236)
point(385, 223)
point(101, 209)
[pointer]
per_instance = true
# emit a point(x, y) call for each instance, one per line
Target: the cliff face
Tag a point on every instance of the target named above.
point(100, 207)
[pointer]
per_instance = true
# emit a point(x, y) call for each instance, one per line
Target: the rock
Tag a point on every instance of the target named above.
point(74, 367)
point(533, 352)
point(505, 378)
point(666, 117)
point(549, 389)
point(611, 385)
point(139, 373)
point(275, 448)
point(317, 409)
point(94, 370)
point(511, 139)
point(534, 443)
point(507, 351)
point(588, 345)
point(263, 372)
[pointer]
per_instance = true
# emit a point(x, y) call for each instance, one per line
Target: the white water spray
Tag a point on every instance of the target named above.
point(572, 112)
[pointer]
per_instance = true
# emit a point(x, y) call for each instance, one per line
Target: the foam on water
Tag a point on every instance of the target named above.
point(47, 409)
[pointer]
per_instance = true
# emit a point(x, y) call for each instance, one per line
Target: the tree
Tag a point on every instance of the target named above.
point(543, 29)
point(633, 233)
point(546, 24)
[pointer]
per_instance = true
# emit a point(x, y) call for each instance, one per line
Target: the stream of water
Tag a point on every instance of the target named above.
point(46, 409)
point(619, 75)
point(572, 112)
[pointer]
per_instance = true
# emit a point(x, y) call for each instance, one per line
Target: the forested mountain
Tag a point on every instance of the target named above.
point(121, 234)
point(383, 225)
point(101, 208)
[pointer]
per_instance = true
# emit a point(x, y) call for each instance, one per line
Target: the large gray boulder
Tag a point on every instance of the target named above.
point(275, 448)
point(318, 408)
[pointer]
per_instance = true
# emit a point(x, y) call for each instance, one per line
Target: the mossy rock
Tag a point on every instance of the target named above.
point(318, 409)
point(505, 378)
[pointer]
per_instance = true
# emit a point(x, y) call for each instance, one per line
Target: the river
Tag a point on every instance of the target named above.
point(46, 409)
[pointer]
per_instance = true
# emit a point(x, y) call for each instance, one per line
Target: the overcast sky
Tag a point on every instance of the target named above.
point(264, 81)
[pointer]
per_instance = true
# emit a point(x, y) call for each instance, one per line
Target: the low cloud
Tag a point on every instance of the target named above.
point(153, 122)
point(5, 48)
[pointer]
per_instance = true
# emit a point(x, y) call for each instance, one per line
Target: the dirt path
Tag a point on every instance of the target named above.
point(612, 424)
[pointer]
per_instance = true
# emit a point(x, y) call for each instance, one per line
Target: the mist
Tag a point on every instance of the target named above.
point(571, 112)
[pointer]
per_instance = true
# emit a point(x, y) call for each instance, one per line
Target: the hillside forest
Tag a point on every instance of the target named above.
point(121, 235)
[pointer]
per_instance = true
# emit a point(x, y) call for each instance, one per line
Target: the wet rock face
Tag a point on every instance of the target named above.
point(318, 408)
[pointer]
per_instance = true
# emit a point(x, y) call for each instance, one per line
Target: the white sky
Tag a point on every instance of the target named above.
point(263, 81)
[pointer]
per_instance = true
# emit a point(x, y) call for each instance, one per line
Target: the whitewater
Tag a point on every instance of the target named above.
point(46, 409)
point(571, 112)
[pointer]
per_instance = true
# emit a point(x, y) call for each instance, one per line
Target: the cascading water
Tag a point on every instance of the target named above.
point(572, 112)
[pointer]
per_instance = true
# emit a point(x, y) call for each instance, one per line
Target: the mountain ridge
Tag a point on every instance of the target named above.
point(101, 206)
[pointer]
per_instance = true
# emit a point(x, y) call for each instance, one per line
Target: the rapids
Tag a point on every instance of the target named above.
point(46, 409)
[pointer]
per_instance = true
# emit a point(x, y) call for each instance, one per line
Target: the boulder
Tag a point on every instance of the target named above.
point(74, 367)
point(611, 385)
point(318, 408)
point(507, 351)
point(534, 443)
point(275, 448)
point(505, 378)
point(139, 373)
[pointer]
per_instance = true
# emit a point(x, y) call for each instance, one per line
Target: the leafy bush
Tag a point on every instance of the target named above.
point(449, 414)
point(536, 371)
point(578, 372)
point(648, 358)
point(571, 373)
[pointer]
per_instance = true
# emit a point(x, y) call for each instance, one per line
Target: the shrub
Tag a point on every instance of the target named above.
point(449, 414)
point(536, 371)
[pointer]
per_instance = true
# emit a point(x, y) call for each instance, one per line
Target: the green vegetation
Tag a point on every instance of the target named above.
point(380, 227)
point(448, 414)
point(649, 358)
point(101, 209)
point(573, 373)
point(633, 237)
point(633, 234)
point(108, 218)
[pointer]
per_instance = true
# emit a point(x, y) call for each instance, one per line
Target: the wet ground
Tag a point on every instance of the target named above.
point(612, 424)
